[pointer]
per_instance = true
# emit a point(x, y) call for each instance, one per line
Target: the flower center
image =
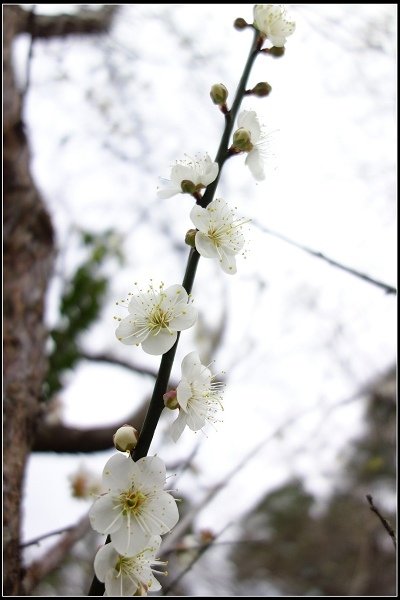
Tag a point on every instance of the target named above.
point(158, 319)
point(131, 501)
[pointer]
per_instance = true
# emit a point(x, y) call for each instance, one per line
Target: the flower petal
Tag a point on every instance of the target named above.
point(249, 120)
point(187, 318)
point(103, 517)
point(183, 393)
point(178, 426)
point(120, 584)
point(211, 174)
point(196, 416)
point(190, 364)
point(128, 333)
point(160, 514)
point(174, 294)
point(151, 473)
point(256, 164)
point(200, 218)
point(205, 246)
point(119, 472)
point(228, 263)
point(105, 559)
point(170, 189)
point(160, 343)
point(131, 538)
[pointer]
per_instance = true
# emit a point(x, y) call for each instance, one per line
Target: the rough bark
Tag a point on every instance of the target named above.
point(28, 259)
point(28, 256)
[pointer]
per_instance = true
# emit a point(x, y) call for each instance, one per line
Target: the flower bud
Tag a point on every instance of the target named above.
point(125, 438)
point(242, 140)
point(276, 51)
point(188, 187)
point(261, 89)
point(219, 93)
point(170, 400)
point(190, 238)
point(240, 23)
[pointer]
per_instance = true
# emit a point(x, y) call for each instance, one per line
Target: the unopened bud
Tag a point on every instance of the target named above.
point(188, 187)
point(190, 238)
point(261, 89)
point(125, 438)
point(170, 400)
point(242, 140)
point(276, 52)
point(240, 23)
point(219, 93)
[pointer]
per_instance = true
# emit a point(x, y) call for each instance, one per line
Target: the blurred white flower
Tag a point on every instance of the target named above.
point(199, 398)
point(155, 317)
point(219, 234)
point(135, 506)
point(272, 21)
point(125, 575)
point(248, 122)
point(84, 483)
point(189, 175)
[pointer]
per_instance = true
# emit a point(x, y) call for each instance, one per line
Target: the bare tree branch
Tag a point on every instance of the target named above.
point(388, 288)
point(36, 541)
point(112, 360)
point(382, 519)
point(60, 438)
point(84, 22)
point(55, 556)
point(202, 550)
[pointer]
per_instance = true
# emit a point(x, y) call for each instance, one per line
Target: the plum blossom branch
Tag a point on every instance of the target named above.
point(152, 317)
point(157, 403)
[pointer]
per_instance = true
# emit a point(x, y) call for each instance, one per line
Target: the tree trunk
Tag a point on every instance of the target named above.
point(28, 259)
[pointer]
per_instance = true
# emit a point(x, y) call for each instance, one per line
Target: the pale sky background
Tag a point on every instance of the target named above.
point(107, 116)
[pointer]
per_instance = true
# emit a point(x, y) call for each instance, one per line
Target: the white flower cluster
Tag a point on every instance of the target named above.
point(135, 511)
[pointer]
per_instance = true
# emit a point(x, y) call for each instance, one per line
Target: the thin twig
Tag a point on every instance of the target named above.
point(52, 559)
point(382, 519)
point(213, 542)
point(46, 535)
point(202, 550)
point(119, 362)
point(334, 263)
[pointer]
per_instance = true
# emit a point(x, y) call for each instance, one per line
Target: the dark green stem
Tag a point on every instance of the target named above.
point(157, 402)
point(230, 119)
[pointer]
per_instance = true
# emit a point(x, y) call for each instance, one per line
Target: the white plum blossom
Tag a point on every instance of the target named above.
point(155, 317)
point(125, 575)
point(248, 122)
point(195, 173)
point(219, 233)
point(134, 507)
point(199, 398)
point(273, 22)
